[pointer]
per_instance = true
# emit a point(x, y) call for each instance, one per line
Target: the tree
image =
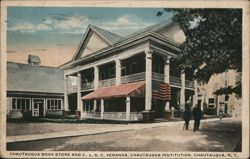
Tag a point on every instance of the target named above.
point(213, 41)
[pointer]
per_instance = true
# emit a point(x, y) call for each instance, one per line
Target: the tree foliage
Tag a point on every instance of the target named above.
point(213, 40)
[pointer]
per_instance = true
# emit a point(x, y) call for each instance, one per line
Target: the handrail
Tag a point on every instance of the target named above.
point(133, 77)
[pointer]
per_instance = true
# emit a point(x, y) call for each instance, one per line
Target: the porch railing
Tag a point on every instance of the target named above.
point(175, 81)
point(189, 84)
point(114, 115)
point(133, 78)
point(86, 86)
point(107, 82)
point(158, 76)
point(72, 89)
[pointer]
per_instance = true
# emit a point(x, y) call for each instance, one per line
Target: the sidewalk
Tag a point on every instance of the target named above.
point(129, 127)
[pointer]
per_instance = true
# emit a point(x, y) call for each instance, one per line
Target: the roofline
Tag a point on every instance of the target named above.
point(32, 66)
point(127, 41)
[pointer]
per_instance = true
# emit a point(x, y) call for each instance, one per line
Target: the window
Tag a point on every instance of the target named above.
point(211, 103)
point(123, 71)
point(112, 73)
point(54, 104)
point(211, 100)
point(20, 103)
point(134, 68)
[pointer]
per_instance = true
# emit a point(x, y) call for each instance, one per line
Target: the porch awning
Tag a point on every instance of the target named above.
point(122, 90)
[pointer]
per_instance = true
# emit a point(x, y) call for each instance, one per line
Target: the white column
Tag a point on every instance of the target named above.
point(102, 108)
point(79, 100)
point(96, 77)
point(148, 94)
point(182, 100)
point(195, 96)
point(128, 108)
point(66, 103)
point(95, 105)
point(118, 71)
point(167, 77)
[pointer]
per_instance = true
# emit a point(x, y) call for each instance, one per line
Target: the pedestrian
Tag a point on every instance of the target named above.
point(187, 116)
point(197, 113)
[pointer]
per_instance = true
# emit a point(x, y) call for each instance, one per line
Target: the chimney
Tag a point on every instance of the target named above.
point(33, 60)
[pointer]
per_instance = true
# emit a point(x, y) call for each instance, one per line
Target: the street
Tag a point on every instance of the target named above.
point(220, 135)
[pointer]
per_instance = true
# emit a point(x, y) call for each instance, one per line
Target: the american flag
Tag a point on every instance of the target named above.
point(161, 90)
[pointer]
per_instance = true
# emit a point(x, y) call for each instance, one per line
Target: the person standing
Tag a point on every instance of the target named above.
point(197, 114)
point(187, 116)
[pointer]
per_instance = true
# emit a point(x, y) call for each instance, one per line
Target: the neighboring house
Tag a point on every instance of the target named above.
point(128, 78)
point(229, 103)
point(34, 91)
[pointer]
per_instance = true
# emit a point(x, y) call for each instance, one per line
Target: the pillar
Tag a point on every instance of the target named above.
point(102, 108)
point(182, 100)
point(118, 71)
point(79, 100)
point(95, 105)
point(128, 108)
point(148, 115)
point(96, 77)
point(66, 103)
point(167, 78)
point(195, 96)
point(148, 81)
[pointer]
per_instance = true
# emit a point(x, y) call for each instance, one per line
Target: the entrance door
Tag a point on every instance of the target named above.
point(38, 107)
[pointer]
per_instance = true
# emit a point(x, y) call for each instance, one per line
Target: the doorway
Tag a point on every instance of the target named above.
point(38, 107)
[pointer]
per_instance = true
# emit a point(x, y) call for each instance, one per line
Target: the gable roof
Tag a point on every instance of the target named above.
point(106, 36)
point(111, 37)
point(27, 78)
point(118, 40)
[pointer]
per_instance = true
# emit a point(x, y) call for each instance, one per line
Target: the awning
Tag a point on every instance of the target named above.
point(122, 90)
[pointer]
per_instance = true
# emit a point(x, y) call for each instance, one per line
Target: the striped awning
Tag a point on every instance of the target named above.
point(161, 90)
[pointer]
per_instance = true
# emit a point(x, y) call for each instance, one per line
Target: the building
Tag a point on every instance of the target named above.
point(128, 78)
point(33, 90)
point(211, 102)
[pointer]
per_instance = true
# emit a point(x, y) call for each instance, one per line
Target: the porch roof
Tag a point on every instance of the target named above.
point(122, 90)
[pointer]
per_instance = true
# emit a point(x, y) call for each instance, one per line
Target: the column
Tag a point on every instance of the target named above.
point(195, 96)
point(79, 100)
point(148, 94)
point(167, 77)
point(96, 77)
point(182, 100)
point(95, 105)
point(102, 108)
point(128, 108)
point(118, 71)
point(66, 104)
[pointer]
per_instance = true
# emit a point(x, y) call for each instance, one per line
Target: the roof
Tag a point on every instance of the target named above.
point(34, 59)
point(122, 90)
point(111, 37)
point(24, 77)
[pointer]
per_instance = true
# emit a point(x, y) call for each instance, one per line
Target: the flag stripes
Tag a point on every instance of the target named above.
point(162, 91)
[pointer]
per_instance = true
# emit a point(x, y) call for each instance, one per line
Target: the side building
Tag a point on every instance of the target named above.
point(212, 102)
point(33, 90)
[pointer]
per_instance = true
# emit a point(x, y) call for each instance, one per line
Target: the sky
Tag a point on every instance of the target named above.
point(54, 33)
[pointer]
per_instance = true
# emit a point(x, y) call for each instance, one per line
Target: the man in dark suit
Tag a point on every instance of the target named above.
point(197, 114)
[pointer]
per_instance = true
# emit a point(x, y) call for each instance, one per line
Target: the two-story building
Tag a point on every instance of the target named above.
point(127, 78)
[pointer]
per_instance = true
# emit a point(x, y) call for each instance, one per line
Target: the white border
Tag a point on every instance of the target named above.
point(244, 4)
